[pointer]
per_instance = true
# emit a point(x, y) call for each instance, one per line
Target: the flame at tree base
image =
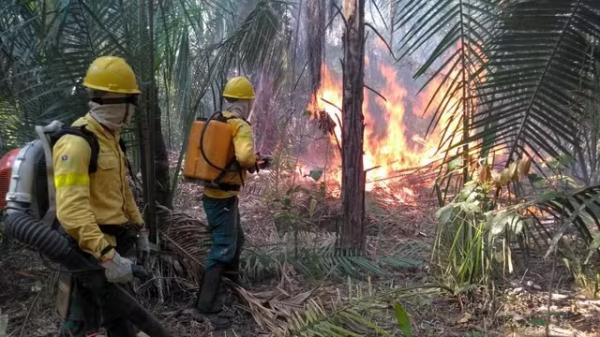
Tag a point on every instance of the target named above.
point(394, 142)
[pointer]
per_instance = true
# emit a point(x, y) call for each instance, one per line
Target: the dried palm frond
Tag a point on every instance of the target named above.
point(272, 309)
point(361, 311)
point(188, 239)
point(365, 312)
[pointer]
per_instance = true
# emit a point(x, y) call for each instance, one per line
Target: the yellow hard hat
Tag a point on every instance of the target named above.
point(239, 88)
point(111, 74)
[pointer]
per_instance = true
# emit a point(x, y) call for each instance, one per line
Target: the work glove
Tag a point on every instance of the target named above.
point(140, 273)
point(118, 269)
point(142, 246)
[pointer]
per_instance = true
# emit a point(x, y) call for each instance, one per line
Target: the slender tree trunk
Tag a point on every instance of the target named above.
point(148, 124)
point(353, 233)
point(315, 32)
point(161, 161)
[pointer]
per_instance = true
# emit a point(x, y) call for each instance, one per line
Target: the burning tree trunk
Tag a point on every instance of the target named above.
point(353, 176)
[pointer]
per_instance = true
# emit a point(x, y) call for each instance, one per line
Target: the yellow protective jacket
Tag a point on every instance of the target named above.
point(85, 200)
point(243, 145)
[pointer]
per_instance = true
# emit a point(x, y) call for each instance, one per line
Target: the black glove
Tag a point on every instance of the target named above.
point(264, 162)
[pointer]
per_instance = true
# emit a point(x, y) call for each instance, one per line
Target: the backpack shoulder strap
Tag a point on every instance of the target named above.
point(86, 134)
point(224, 119)
point(122, 145)
point(127, 162)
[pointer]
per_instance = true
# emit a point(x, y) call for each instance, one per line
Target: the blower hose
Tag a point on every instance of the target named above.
point(125, 305)
point(26, 229)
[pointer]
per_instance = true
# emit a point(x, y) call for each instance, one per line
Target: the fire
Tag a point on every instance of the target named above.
point(394, 126)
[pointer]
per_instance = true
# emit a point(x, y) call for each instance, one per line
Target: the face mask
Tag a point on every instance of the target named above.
point(241, 107)
point(112, 116)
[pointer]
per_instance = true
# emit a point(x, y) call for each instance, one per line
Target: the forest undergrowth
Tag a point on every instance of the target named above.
point(296, 284)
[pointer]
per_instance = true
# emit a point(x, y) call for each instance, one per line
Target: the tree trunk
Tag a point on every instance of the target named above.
point(315, 32)
point(353, 234)
point(265, 116)
point(148, 121)
point(161, 161)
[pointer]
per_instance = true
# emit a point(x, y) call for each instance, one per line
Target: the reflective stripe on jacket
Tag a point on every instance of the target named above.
point(84, 200)
point(243, 144)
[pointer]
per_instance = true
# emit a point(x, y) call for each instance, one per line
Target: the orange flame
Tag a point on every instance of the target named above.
point(394, 137)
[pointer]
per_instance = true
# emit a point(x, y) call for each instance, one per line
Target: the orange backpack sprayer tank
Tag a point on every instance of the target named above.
point(209, 149)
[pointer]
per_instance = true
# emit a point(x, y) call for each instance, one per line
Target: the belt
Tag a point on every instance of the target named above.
point(114, 230)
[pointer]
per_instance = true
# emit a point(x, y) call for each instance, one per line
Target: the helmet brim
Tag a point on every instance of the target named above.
point(117, 91)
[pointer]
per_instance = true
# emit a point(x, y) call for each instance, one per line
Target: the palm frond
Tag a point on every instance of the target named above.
point(316, 256)
point(451, 37)
point(365, 312)
point(541, 61)
point(579, 209)
point(251, 43)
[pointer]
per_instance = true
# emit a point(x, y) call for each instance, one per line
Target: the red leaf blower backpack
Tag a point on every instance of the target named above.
point(30, 217)
point(27, 191)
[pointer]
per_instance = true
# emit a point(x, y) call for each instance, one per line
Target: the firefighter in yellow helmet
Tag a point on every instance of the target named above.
point(97, 209)
point(221, 204)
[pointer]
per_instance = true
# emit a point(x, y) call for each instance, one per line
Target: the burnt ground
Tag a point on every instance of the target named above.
point(539, 299)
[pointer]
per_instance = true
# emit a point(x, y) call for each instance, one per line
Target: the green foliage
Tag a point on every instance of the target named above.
point(450, 37)
point(541, 69)
point(180, 50)
point(296, 209)
point(475, 334)
point(315, 256)
point(300, 215)
point(584, 270)
point(365, 313)
point(347, 321)
point(464, 246)
point(516, 77)
point(476, 232)
point(403, 320)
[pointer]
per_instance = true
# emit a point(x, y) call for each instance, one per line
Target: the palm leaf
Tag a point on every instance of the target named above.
point(365, 313)
point(451, 37)
point(539, 58)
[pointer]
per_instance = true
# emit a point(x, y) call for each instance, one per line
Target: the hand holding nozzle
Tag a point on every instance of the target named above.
point(263, 162)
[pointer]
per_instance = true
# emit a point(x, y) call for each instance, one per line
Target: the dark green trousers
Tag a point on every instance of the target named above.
point(226, 232)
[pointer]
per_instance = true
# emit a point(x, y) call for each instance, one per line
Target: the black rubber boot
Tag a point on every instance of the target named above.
point(206, 303)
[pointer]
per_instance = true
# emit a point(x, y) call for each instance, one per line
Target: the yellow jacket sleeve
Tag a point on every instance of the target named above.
point(131, 209)
point(71, 158)
point(243, 143)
